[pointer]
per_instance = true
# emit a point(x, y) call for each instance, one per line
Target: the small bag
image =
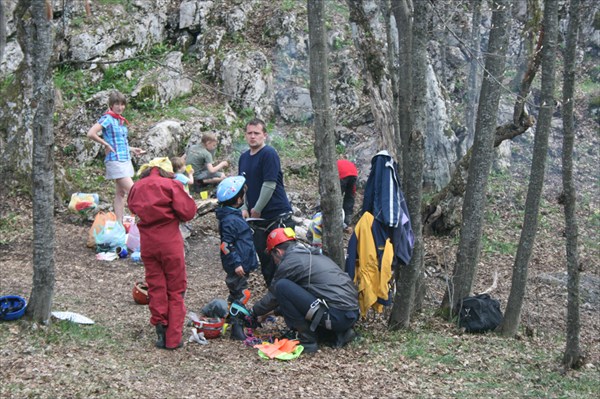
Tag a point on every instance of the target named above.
point(99, 222)
point(111, 236)
point(83, 202)
point(133, 238)
point(479, 313)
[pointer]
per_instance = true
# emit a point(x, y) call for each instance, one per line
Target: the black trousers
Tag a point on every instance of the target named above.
point(262, 228)
point(348, 187)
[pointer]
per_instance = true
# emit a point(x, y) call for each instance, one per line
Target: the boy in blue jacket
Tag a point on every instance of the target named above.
point(238, 254)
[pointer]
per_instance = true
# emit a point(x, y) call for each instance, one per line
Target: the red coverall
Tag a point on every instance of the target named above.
point(161, 203)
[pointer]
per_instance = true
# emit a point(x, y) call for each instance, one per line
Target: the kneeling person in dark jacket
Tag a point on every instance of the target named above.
point(311, 292)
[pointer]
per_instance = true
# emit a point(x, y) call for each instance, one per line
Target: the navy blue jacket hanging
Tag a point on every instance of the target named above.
point(384, 199)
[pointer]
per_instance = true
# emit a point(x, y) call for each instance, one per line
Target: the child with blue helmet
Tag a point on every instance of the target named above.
point(238, 254)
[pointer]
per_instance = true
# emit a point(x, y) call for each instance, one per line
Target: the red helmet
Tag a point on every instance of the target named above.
point(140, 293)
point(279, 236)
point(211, 327)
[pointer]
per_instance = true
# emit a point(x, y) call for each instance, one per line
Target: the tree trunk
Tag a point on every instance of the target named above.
point(512, 314)
point(2, 31)
point(35, 35)
point(366, 16)
point(473, 80)
point(329, 182)
point(468, 253)
point(572, 357)
point(413, 110)
point(392, 61)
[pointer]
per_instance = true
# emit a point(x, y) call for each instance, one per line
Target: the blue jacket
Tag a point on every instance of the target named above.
point(237, 244)
point(384, 199)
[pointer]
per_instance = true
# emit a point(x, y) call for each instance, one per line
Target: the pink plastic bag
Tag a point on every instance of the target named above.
point(133, 238)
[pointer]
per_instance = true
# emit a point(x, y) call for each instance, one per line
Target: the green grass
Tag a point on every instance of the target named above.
point(67, 331)
point(493, 246)
point(90, 179)
point(11, 224)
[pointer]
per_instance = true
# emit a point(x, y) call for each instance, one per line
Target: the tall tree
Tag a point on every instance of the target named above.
point(35, 35)
point(329, 186)
point(411, 22)
point(572, 357)
point(468, 253)
point(366, 17)
point(512, 314)
point(473, 79)
point(2, 31)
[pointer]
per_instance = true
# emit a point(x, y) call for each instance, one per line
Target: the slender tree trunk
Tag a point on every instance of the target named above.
point(2, 30)
point(392, 60)
point(35, 35)
point(329, 183)
point(512, 315)
point(572, 357)
point(473, 80)
point(413, 153)
point(366, 16)
point(467, 257)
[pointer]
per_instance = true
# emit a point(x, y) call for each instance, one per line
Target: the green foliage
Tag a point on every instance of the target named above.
point(493, 246)
point(9, 224)
point(287, 5)
point(90, 179)
point(67, 331)
point(7, 82)
point(78, 85)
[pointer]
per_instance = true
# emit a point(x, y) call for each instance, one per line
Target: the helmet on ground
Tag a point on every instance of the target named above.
point(230, 187)
point(278, 236)
point(140, 293)
point(12, 307)
point(211, 327)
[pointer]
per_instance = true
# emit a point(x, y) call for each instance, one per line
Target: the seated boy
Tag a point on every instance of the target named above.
point(200, 156)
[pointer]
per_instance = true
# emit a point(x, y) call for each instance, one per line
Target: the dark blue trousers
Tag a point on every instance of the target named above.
point(294, 303)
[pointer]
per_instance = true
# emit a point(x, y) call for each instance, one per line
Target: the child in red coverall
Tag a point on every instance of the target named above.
point(161, 203)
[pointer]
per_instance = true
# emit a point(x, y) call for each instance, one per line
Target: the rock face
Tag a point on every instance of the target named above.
point(256, 53)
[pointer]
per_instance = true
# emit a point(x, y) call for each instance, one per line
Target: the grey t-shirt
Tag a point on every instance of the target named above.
point(198, 157)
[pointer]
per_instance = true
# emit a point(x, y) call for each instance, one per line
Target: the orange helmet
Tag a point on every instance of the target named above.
point(279, 236)
point(140, 293)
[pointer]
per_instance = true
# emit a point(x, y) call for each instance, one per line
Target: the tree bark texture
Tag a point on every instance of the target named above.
point(35, 35)
point(512, 314)
point(413, 158)
point(392, 61)
point(572, 357)
point(468, 253)
point(365, 15)
point(473, 80)
point(329, 183)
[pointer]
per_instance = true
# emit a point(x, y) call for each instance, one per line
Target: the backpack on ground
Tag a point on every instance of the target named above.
point(479, 313)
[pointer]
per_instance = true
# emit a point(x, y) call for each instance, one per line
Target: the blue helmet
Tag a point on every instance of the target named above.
point(230, 187)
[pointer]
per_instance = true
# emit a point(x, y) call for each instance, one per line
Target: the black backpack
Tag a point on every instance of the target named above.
point(479, 313)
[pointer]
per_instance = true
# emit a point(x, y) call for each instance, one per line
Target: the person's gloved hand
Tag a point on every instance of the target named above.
point(252, 321)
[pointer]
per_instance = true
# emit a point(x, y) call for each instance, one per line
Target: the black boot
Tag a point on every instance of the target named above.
point(343, 338)
point(308, 339)
point(160, 332)
point(237, 329)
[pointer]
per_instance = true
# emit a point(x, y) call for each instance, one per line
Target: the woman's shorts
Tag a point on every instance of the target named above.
point(117, 169)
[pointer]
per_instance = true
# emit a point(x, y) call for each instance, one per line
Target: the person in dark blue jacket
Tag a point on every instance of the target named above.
point(238, 254)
